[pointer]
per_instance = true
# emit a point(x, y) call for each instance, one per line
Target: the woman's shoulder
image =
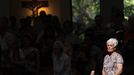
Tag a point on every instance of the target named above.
point(119, 58)
point(117, 54)
point(106, 57)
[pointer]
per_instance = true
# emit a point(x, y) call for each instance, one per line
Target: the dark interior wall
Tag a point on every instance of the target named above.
point(4, 8)
point(109, 8)
point(66, 6)
point(14, 7)
point(105, 7)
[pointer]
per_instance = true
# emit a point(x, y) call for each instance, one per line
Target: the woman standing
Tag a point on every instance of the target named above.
point(113, 61)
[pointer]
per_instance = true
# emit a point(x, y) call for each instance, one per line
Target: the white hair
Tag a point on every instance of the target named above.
point(114, 41)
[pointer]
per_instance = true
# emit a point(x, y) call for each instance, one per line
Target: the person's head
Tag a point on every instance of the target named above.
point(42, 14)
point(58, 48)
point(98, 19)
point(11, 40)
point(131, 21)
point(112, 44)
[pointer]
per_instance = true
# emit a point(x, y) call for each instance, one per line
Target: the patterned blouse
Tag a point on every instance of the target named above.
point(111, 61)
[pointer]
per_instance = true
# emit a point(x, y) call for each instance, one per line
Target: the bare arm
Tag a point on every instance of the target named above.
point(119, 65)
point(92, 72)
point(119, 69)
point(103, 71)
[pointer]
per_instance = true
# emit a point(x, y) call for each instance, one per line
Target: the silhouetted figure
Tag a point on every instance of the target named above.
point(61, 61)
point(30, 55)
point(13, 27)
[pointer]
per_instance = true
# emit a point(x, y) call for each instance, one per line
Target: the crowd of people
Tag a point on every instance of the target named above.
point(43, 43)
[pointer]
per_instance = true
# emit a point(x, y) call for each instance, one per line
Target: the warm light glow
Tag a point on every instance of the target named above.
point(43, 9)
point(26, 12)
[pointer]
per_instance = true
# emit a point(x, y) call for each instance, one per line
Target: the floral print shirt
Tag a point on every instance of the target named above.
point(111, 61)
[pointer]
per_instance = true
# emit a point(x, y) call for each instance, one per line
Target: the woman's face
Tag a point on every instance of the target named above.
point(110, 47)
